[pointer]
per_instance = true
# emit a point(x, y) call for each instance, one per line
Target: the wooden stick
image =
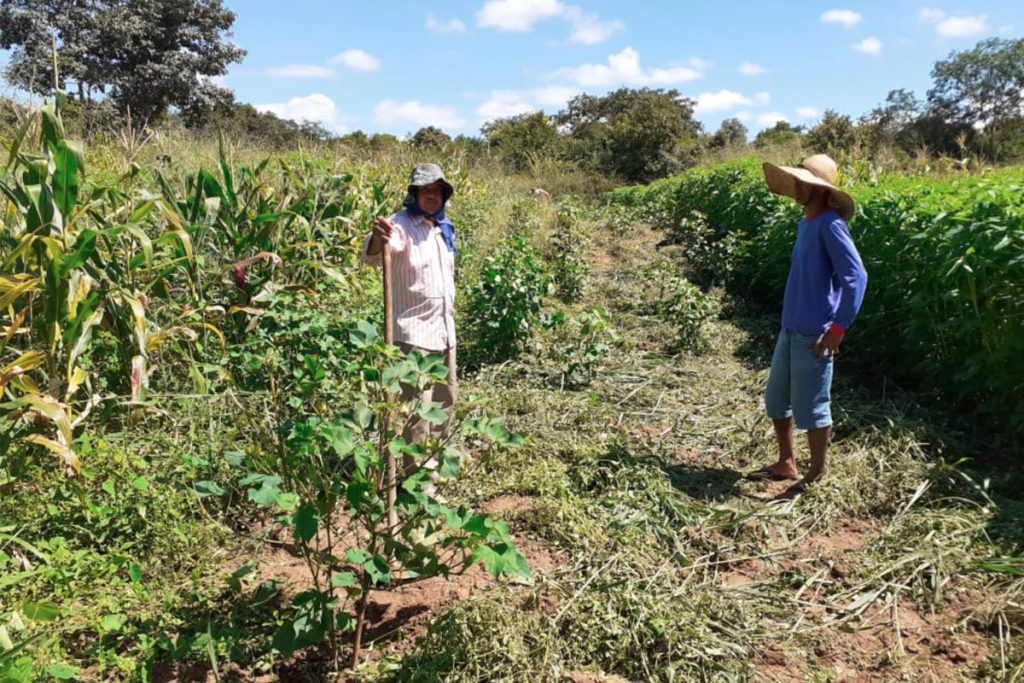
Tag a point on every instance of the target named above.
point(391, 481)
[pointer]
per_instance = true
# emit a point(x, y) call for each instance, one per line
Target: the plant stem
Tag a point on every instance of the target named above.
point(364, 599)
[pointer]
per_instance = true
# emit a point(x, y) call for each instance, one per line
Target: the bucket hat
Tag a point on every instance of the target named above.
point(423, 175)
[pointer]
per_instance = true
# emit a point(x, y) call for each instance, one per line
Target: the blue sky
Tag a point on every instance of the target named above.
point(397, 65)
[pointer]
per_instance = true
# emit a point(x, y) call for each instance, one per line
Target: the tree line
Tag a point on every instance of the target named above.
point(159, 60)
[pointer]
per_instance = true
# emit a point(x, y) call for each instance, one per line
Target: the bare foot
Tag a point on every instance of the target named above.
point(799, 488)
point(777, 472)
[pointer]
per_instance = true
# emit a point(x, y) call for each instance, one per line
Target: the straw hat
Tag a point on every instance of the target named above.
point(818, 170)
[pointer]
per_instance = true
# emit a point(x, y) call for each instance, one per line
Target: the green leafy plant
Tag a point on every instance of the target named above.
point(570, 268)
point(688, 309)
point(327, 480)
point(504, 305)
point(582, 345)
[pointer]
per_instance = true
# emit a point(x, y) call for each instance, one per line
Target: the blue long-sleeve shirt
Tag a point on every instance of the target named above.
point(826, 279)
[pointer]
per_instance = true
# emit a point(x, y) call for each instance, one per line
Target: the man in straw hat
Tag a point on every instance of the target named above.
point(823, 295)
point(422, 242)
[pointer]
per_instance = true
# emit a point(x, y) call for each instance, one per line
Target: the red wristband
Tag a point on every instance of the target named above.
point(837, 330)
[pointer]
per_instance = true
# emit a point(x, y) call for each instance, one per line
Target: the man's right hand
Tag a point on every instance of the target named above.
point(382, 229)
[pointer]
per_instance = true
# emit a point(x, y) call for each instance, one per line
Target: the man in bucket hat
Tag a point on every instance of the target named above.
point(422, 242)
point(823, 295)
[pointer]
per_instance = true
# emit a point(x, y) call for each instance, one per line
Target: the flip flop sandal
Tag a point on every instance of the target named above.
point(766, 474)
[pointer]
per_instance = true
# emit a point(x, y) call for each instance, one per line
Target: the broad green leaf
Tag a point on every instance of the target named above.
point(356, 556)
point(113, 622)
point(205, 489)
point(287, 501)
point(40, 611)
point(364, 335)
point(343, 580)
point(235, 580)
point(62, 672)
point(306, 521)
point(67, 163)
point(135, 572)
point(310, 622)
point(433, 413)
point(378, 570)
point(451, 463)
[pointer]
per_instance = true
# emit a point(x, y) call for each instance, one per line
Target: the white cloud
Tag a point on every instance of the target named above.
point(744, 115)
point(763, 98)
point(723, 100)
point(316, 107)
point(869, 46)
point(521, 15)
point(1006, 30)
point(770, 118)
point(450, 26)
point(962, 27)
point(588, 29)
point(300, 71)
point(808, 113)
point(356, 59)
point(555, 95)
point(624, 68)
point(751, 69)
point(847, 17)
point(418, 115)
point(504, 103)
point(517, 15)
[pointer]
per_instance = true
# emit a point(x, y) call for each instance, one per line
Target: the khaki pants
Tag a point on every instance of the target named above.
point(417, 430)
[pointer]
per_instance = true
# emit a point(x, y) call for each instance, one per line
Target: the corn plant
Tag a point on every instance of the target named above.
point(73, 263)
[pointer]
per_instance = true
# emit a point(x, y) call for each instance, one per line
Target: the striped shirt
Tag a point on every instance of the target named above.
point(423, 283)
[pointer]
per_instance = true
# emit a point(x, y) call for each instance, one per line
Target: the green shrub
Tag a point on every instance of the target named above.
point(585, 342)
point(571, 269)
point(503, 306)
point(688, 308)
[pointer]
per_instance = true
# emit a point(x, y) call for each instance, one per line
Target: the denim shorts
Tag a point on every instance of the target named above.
point(799, 384)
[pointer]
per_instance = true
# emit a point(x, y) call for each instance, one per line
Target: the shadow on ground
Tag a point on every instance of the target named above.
point(700, 482)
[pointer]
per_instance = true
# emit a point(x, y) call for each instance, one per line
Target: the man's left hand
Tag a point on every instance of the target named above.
point(827, 345)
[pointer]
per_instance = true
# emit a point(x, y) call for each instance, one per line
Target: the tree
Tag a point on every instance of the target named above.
point(834, 133)
point(981, 87)
point(145, 54)
point(639, 135)
point(430, 138)
point(32, 28)
point(520, 140)
point(731, 133)
point(892, 123)
point(165, 52)
point(782, 134)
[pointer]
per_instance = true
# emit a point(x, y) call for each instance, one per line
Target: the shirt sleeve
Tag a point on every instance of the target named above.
point(848, 267)
point(397, 243)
